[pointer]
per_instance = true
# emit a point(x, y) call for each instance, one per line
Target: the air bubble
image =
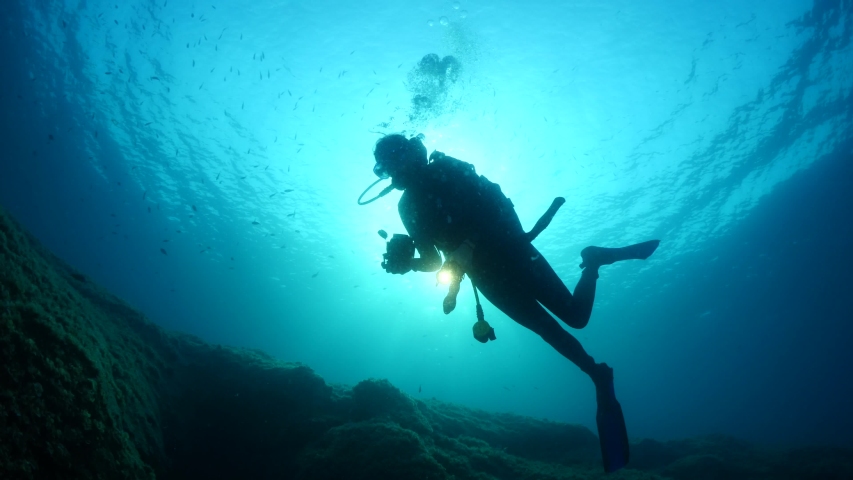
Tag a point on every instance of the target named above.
point(463, 14)
point(456, 5)
point(430, 23)
point(443, 21)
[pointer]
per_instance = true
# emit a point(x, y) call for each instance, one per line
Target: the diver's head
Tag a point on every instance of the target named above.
point(400, 159)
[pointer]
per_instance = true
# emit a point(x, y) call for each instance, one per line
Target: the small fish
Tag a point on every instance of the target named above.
point(218, 174)
point(149, 209)
point(291, 214)
point(419, 389)
point(256, 223)
point(273, 195)
point(149, 123)
point(194, 209)
point(163, 251)
point(288, 190)
point(144, 194)
point(315, 275)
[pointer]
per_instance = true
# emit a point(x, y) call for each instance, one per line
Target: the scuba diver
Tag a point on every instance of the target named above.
point(446, 207)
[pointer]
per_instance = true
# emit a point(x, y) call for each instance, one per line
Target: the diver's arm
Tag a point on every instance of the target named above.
point(429, 260)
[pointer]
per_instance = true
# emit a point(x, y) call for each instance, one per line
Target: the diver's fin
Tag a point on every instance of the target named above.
point(612, 433)
point(598, 256)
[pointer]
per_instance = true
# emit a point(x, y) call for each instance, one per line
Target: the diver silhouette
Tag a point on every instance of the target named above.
point(447, 207)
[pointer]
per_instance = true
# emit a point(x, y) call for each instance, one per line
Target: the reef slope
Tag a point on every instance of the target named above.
point(90, 388)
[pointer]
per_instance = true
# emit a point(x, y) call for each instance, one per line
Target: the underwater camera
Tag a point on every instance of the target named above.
point(399, 252)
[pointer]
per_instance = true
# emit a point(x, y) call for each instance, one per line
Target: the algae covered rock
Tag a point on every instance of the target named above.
point(90, 388)
point(70, 404)
point(236, 413)
point(369, 450)
point(379, 398)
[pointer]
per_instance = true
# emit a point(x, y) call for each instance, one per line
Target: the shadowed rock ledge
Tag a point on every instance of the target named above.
point(89, 388)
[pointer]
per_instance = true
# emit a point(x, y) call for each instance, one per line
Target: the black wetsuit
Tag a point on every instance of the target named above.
point(449, 204)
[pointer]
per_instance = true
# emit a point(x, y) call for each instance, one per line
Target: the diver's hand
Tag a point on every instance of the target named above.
point(462, 256)
point(450, 300)
point(397, 268)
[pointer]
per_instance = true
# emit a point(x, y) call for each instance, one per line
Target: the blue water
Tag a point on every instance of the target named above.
point(722, 128)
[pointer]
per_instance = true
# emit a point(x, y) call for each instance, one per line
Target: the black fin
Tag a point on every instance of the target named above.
point(612, 433)
point(598, 256)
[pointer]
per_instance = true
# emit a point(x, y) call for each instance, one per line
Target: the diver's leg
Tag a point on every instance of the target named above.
point(518, 303)
point(575, 309)
point(510, 286)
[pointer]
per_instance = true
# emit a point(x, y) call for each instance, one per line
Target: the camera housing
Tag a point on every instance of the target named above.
point(399, 252)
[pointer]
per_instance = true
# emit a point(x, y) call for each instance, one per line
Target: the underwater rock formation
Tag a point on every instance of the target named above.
point(89, 388)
